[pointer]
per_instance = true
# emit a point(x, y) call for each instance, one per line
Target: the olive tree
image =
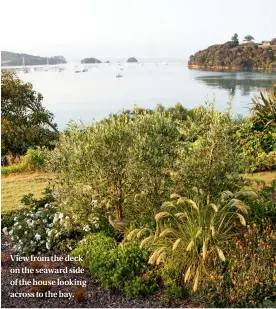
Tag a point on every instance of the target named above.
point(117, 167)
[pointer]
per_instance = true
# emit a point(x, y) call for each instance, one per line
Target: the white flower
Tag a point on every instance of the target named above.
point(11, 232)
point(32, 243)
point(46, 205)
point(48, 245)
point(37, 236)
point(16, 223)
point(25, 232)
point(15, 218)
point(60, 216)
point(5, 231)
point(20, 226)
point(55, 218)
point(86, 228)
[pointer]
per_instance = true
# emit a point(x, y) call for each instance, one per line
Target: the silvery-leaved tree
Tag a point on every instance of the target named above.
point(118, 167)
point(209, 158)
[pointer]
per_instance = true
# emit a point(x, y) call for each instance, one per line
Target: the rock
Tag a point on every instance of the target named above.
point(132, 59)
point(90, 60)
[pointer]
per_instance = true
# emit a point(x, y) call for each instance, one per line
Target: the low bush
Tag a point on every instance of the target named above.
point(248, 279)
point(265, 205)
point(30, 228)
point(122, 267)
point(7, 219)
point(33, 160)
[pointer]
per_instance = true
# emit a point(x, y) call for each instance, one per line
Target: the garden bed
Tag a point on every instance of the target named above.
point(96, 296)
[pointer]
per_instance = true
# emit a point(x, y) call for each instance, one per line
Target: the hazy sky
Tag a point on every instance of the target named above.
point(123, 28)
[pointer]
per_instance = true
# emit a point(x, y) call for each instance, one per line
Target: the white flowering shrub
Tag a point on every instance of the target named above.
point(30, 230)
point(66, 233)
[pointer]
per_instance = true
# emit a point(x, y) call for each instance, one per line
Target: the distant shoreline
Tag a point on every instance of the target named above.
point(230, 68)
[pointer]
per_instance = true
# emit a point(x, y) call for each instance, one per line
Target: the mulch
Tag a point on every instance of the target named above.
point(95, 295)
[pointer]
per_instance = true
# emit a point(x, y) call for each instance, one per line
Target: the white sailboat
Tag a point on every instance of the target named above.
point(46, 68)
point(25, 70)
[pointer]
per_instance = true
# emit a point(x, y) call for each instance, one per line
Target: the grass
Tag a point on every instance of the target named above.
point(15, 168)
point(266, 176)
point(15, 186)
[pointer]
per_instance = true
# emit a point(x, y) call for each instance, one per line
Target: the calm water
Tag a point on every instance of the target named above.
point(97, 93)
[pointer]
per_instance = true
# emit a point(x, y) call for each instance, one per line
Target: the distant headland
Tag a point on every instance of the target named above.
point(233, 55)
point(18, 59)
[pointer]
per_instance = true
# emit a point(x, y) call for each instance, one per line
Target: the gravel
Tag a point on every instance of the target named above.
point(95, 295)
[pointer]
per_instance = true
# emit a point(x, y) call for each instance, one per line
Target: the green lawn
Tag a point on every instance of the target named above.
point(15, 186)
point(266, 176)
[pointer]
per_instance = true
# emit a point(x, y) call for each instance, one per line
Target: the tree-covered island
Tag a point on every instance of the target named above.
point(237, 56)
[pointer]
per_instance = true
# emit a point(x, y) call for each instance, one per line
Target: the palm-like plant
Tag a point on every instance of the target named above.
point(264, 108)
point(190, 233)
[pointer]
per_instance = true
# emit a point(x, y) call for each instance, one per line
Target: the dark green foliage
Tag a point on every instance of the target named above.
point(7, 219)
point(37, 203)
point(117, 266)
point(265, 205)
point(256, 136)
point(235, 39)
point(25, 122)
point(249, 38)
point(247, 56)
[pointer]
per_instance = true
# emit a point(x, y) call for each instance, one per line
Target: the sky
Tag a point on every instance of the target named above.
point(123, 28)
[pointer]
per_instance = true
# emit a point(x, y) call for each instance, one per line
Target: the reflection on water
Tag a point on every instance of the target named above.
point(96, 92)
point(246, 82)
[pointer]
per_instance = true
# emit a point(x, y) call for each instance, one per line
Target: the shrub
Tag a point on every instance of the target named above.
point(257, 148)
point(7, 219)
point(209, 159)
point(123, 267)
point(30, 228)
point(36, 203)
point(248, 279)
point(33, 160)
point(265, 205)
point(190, 233)
point(140, 153)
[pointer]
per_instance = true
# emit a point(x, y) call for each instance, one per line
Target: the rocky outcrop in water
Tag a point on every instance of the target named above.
point(132, 59)
point(90, 60)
